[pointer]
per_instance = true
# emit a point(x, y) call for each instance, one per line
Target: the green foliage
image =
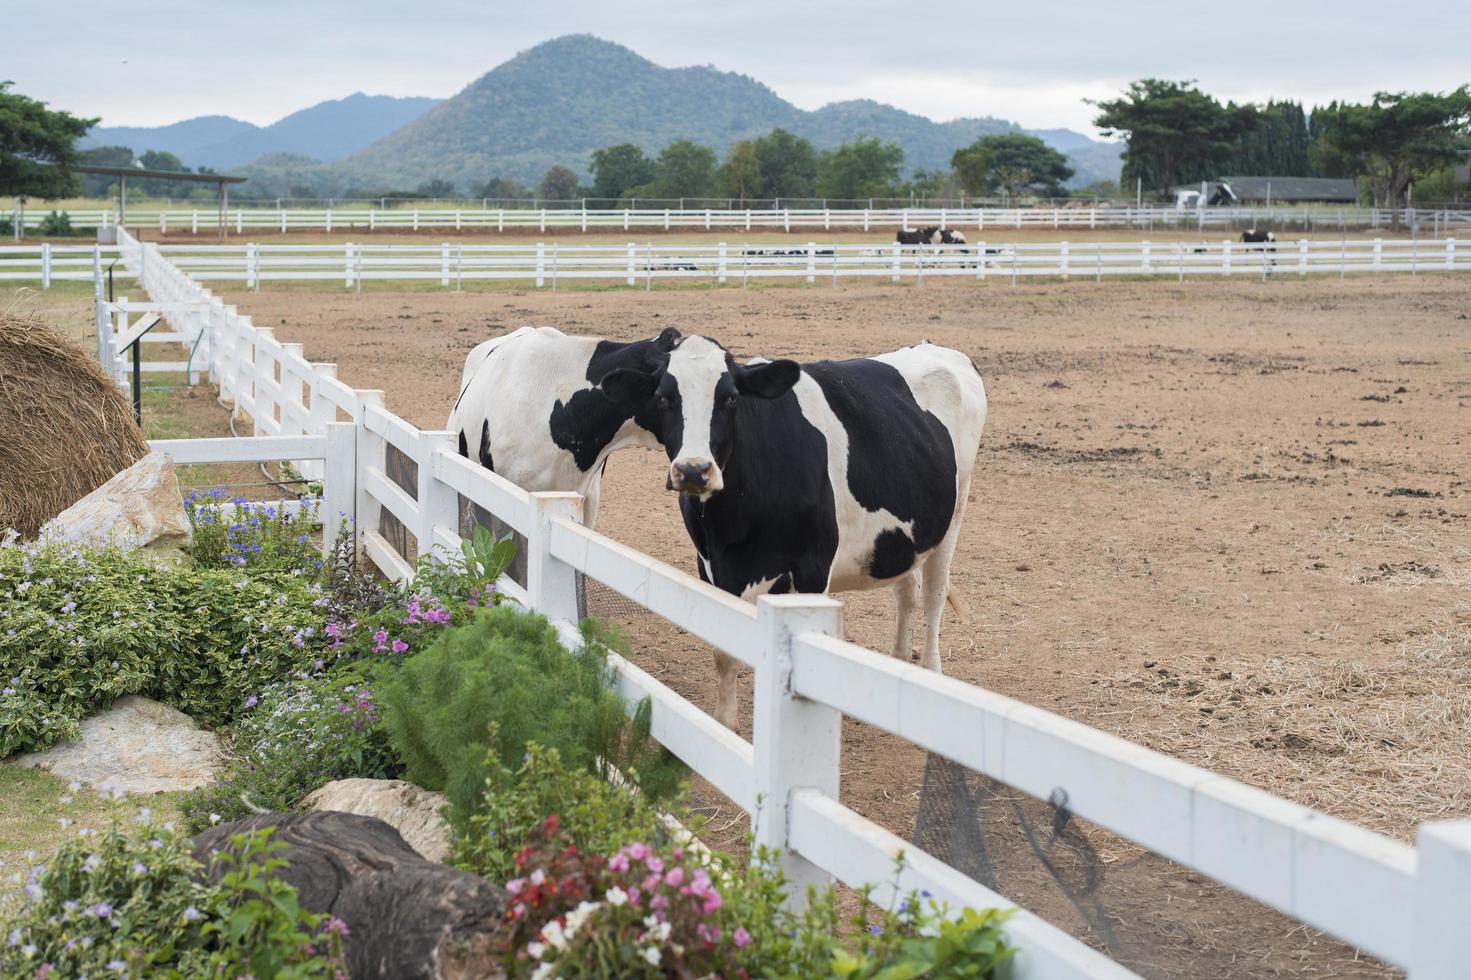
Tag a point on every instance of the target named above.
point(508, 669)
point(1395, 140)
point(298, 736)
point(504, 189)
point(683, 169)
point(55, 224)
point(1175, 132)
point(138, 905)
point(596, 815)
point(1278, 146)
point(80, 628)
point(618, 169)
point(1014, 162)
point(36, 146)
point(558, 184)
point(740, 175)
point(866, 167)
point(788, 164)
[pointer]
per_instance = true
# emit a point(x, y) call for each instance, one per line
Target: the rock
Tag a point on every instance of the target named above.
point(411, 810)
point(407, 918)
point(141, 507)
point(137, 745)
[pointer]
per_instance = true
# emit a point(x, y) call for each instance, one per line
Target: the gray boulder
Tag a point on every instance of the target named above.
point(411, 810)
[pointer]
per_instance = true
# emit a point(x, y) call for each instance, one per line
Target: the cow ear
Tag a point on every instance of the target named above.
point(769, 380)
point(627, 389)
point(668, 339)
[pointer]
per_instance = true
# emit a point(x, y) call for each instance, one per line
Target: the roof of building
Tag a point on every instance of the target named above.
point(1284, 188)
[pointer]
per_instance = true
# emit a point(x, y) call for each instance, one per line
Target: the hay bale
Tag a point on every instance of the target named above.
point(65, 426)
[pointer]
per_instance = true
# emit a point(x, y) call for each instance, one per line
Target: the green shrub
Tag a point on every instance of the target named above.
point(258, 537)
point(55, 224)
point(508, 669)
point(113, 904)
point(80, 628)
point(596, 815)
point(297, 737)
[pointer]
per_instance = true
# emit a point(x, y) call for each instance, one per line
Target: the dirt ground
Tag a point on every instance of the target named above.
point(1227, 519)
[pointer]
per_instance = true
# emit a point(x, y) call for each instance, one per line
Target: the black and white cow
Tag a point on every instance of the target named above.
point(530, 409)
point(821, 477)
point(930, 236)
point(1256, 237)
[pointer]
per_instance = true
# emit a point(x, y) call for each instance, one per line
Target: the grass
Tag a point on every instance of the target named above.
point(42, 812)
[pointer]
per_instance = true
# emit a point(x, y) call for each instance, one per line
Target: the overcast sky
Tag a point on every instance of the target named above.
point(149, 62)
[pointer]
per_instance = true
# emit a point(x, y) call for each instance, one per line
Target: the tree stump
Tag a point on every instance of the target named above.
point(408, 917)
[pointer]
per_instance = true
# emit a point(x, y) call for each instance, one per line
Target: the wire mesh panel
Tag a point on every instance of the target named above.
point(404, 473)
point(1159, 919)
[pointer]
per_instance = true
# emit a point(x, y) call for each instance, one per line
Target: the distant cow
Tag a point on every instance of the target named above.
point(530, 409)
point(930, 236)
point(1255, 237)
point(818, 477)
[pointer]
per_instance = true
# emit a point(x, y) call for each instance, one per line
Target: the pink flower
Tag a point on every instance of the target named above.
point(741, 938)
point(712, 902)
point(649, 883)
point(674, 878)
point(655, 865)
point(618, 862)
point(658, 902)
point(639, 852)
point(399, 646)
point(515, 885)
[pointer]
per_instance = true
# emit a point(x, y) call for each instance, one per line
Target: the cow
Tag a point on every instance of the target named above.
point(529, 408)
point(930, 236)
point(1255, 237)
point(821, 477)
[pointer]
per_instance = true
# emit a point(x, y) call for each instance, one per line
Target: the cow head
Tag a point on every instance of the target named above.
point(691, 407)
point(957, 238)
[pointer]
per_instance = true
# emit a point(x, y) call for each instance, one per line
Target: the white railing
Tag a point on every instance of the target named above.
point(284, 220)
point(544, 264)
point(45, 262)
point(1403, 904)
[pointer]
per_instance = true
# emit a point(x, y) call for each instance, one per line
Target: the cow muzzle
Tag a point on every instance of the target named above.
point(694, 477)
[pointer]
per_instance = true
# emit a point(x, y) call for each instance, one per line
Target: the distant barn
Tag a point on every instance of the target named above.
point(1284, 190)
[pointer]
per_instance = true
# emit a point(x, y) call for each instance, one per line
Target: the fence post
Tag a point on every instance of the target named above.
point(1442, 945)
point(339, 482)
point(439, 504)
point(551, 585)
point(1450, 253)
point(45, 265)
point(347, 266)
point(444, 263)
point(721, 264)
point(1226, 257)
point(1378, 252)
point(416, 219)
point(631, 249)
point(540, 264)
point(894, 274)
point(1302, 256)
point(368, 449)
point(797, 742)
point(1064, 260)
point(251, 257)
point(1144, 258)
point(786, 219)
point(811, 262)
point(327, 221)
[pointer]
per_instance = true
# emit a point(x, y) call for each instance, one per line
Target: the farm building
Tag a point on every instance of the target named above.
point(1285, 190)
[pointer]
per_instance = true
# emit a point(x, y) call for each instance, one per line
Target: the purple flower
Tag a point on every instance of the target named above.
point(399, 646)
point(741, 938)
point(102, 910)
point(337, 927)
point(192, 914)
point(251, 702)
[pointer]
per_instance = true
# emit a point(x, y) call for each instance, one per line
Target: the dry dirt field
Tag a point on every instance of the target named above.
point(1226, 519)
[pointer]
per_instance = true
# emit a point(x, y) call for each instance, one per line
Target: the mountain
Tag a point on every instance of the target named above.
point(561, 100)
point(327, 131)
point(180, 138)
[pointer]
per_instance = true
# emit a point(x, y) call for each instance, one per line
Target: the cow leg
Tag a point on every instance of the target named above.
point(936, 585)
point(906, 600)
point(725, 690)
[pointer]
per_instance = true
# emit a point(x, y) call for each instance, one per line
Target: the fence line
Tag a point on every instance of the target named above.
point(1399, 903)
point(283, 220)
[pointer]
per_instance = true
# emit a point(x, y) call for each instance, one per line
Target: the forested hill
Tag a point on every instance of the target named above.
point(561, 100)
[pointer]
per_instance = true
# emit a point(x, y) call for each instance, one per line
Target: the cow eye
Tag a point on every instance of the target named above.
point(662, 401)
point(730, 400)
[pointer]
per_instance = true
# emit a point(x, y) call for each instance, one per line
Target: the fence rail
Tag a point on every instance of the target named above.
point(1401, 903)
point(548, 264)
point(284, 220)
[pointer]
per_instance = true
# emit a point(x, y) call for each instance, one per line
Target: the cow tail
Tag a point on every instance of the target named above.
point(953, 601)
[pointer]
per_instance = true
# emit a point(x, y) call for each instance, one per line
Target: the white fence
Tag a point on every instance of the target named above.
point(1406, 905)
point(283, 220)
point(634, 264)
point(46, 263)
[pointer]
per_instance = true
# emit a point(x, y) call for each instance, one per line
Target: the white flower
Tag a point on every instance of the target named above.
point(616, 896)
point(552, 933)
point(662, 931)
point(652, 955)
point(544, 971)
point(578, 916)
point(534, 950)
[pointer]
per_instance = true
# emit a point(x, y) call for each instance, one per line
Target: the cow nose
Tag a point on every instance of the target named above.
point(693, 474)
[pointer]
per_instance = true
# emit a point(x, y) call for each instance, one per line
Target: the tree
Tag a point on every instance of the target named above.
point(437, 187)
point(504, 189)
point(685, 169)
point(618, 169)
point(788, 164)
point(1175, 132)
point(1278, 146)
point(740, 174)
point(867, 167)
point(559, 184)
point(37, 146)
point(1015, 162)
point(97, 185)
point(1395, 140)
